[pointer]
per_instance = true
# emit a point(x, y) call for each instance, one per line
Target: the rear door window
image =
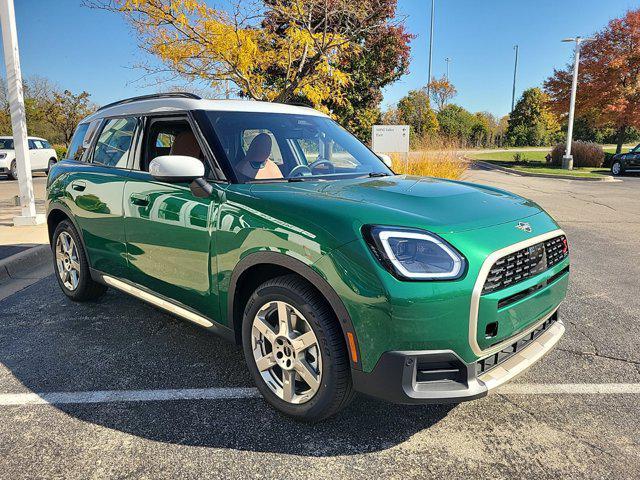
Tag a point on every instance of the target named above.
point(114, 143)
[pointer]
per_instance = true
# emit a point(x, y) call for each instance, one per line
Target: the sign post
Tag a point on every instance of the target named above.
point(18, 117)
point(391, 139)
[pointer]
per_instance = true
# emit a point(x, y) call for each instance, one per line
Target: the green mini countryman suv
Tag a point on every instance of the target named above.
point(272, 226)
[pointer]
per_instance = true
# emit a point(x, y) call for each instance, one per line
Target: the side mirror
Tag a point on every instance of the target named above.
point(176, 168)
point(181, 169)
point(385, 158)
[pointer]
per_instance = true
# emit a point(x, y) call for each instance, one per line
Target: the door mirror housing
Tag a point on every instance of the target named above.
point(385, 158)
point(176, 168)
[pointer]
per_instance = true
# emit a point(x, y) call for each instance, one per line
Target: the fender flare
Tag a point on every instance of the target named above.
point(63, 208)
point(306, 272)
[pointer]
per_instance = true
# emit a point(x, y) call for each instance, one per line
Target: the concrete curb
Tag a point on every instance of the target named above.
point(20, 264)
point(491, 166)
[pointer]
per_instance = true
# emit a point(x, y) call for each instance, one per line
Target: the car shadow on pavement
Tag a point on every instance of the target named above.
point(50, 344)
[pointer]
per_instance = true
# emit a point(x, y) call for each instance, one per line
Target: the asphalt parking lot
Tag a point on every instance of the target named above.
point(582, 429)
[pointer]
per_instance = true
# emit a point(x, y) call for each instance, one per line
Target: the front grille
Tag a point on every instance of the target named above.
point(486, 364)
point(525, 263)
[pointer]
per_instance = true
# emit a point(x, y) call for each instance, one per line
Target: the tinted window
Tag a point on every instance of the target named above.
point(6, 144)
point(114, 143)
point(46, 144)
point(75, 148)
point(32, 145)
point(38, 144)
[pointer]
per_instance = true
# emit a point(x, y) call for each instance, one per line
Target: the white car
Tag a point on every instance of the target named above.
point(41, 153)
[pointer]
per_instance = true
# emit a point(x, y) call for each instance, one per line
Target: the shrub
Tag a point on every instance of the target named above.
point(431, 164)
point(585, 154)
point(61, 151)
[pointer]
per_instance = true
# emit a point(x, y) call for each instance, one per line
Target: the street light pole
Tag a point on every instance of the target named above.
point(18, 117)
point(515, 72)
point(433, 13)
point(567, 159)
point(448, 60)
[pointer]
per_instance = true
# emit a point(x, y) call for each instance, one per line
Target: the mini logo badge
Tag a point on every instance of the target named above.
point(524, 226)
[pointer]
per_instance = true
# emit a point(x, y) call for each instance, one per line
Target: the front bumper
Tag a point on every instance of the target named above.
point(442, 377)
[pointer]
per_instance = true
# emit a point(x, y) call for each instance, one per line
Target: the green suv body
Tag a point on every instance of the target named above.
point(273, 227)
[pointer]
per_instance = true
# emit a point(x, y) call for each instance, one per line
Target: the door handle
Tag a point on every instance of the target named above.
point(79, 185)
point(139, 200)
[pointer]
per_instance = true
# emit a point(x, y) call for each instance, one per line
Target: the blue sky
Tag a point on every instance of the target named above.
point(83, 49)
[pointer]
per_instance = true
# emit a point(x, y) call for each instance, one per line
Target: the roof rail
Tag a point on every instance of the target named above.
point(151, 97)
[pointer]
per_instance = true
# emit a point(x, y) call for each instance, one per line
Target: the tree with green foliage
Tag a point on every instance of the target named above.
point(415, 110)
point(66, 110)
point(456, 123)
point(531, 123)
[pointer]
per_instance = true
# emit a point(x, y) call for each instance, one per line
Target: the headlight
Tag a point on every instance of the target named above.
point(3, 155)
point(415, 254)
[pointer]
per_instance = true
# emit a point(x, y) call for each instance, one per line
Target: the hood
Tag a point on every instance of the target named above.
point(441, 206)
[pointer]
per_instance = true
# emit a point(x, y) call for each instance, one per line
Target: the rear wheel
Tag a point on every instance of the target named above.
point(617, 169)
point(13, 171)
point(295, 351)
point(52, 162)
point(71, 265)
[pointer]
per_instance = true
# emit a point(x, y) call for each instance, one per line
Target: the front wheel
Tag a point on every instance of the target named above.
point(71, 265)
point(295, 350)
point(617, 169)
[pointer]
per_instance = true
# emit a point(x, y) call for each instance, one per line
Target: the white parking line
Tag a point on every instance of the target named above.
point(113, 396)
point(110, 396)
point(569, 389)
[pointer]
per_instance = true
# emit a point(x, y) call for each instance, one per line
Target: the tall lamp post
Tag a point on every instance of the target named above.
point(18, 117)
point(433, 13)
point(567, 159)
point(448, 60)
point(515, 72)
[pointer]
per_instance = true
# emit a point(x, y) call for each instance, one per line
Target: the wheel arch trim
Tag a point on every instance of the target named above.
point(311, 276)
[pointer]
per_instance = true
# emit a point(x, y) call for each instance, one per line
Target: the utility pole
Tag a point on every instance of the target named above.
point(515, 72)
point(433, 14)
point(448, 60)
point(567, 159)
point(18, 118)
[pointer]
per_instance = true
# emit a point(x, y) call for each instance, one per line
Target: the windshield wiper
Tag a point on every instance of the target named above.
point(378, 174)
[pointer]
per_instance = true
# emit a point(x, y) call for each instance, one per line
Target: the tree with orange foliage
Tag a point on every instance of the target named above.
point(609, 81)
point(441, 91)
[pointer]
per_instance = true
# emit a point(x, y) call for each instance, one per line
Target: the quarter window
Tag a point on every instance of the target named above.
point(114, 143)
point(81, 140)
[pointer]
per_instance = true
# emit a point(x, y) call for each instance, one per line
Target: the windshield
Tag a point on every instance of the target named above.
point(271, 146)
point(6, 143)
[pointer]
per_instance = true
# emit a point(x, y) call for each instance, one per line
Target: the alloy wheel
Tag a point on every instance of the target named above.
point(67, 261)
point(286, 352)
point(615, 169)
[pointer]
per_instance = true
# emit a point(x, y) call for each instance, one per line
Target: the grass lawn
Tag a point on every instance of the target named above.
point(576, 172)
point(534, 162)
point(508, 156)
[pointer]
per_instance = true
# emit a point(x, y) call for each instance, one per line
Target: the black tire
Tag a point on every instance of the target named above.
point(52, 162)
point(617, 169)
point(87, 289)
point(13, 171)
point(335, 390)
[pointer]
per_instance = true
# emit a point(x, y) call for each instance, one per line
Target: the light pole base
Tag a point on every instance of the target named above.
point(28, 221)
point(567, 162)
